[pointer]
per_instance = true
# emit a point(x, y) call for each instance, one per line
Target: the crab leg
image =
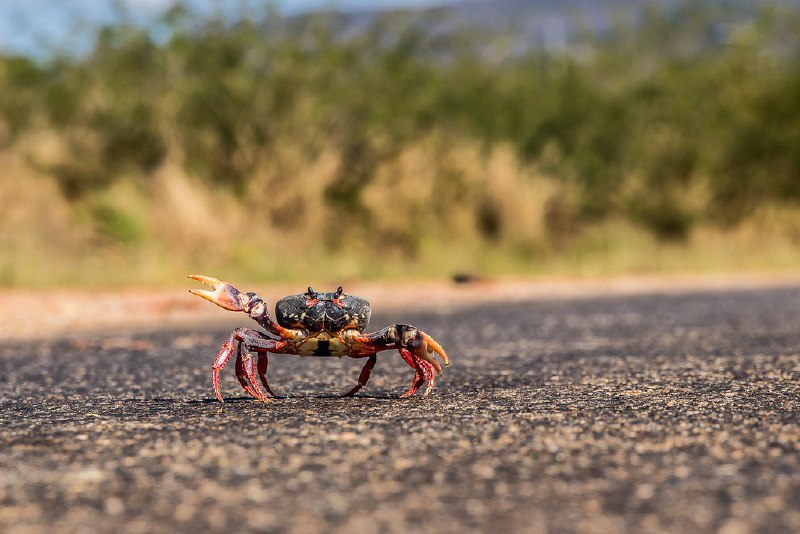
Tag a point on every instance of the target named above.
point(430, 376)
point(263, 362)
point(250, 371)
point(251, 339)
point(241, 374)
point(419, 375)
point(224, 354)
point(246, 373)
point(363, 378)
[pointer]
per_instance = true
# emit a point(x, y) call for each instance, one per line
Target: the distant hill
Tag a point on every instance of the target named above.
point(550, 23)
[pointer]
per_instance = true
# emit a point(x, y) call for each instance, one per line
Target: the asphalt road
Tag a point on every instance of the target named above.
point(659, 413)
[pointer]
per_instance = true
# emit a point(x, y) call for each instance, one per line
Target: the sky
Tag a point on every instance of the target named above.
point(24, 29)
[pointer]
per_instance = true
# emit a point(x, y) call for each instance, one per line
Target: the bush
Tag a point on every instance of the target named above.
point(630, 126)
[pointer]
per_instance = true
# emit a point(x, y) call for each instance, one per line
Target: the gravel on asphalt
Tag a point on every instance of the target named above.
point(652, 413)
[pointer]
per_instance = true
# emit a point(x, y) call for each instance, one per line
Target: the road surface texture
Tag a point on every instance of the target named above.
point(639, 413)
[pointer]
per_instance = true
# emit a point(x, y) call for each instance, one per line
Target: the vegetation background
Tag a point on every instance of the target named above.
point(286, 148)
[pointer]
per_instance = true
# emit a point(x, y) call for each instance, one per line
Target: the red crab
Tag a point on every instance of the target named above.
point(314, 324)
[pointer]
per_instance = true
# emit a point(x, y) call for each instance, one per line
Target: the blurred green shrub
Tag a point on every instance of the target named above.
point(115, 225)
point(629, 126)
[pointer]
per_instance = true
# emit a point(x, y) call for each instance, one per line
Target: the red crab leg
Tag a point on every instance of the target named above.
point(429, 387)
point(241, 374)
point(363, 378)
point(419, 376)
point(263, 362)
point(252, 340)
point(246, 373)
point(428, 373)
point(250, 373)
point(222, 358)
point(430, 376)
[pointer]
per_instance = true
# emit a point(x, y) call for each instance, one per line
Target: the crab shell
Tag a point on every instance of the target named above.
point(323, 312)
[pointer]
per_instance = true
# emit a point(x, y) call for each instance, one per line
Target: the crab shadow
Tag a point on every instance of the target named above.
point(329, 396)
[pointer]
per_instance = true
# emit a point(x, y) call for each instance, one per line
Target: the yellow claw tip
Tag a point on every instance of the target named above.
point(202, 294)
point(208, 280)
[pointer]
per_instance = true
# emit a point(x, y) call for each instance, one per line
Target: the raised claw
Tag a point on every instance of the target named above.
point(223, 295)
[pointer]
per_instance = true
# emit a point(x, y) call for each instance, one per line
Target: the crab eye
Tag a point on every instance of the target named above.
point(338, 292)
point(311, 293)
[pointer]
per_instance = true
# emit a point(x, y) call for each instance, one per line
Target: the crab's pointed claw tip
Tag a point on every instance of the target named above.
point(222, 294)
point(208, 280)
point(434, 347)
point(202, 293)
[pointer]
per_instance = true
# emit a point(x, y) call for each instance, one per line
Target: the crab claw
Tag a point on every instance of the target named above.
point(223, 295)
point(423, 346)
point(427, 349)
point(419, 352)
point(431, 346)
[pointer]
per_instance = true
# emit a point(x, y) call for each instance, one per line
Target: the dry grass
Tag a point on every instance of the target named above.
point(437, 207)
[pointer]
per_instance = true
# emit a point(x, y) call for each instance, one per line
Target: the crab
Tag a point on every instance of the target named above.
point(314, 324)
